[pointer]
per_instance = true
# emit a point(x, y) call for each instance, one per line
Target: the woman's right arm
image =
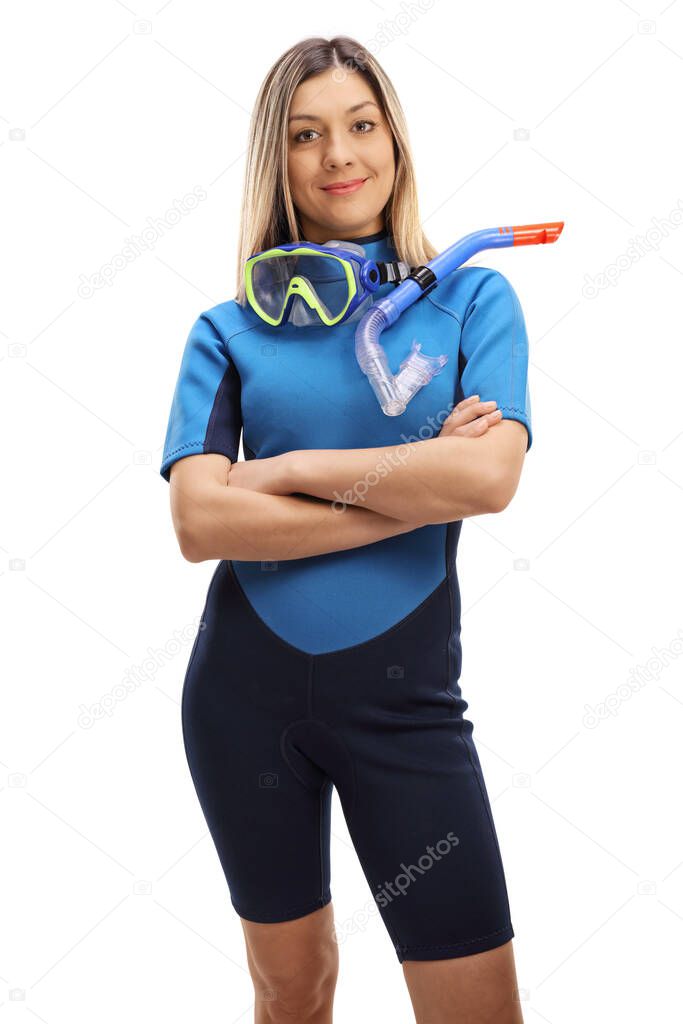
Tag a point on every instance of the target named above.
point(214, 521)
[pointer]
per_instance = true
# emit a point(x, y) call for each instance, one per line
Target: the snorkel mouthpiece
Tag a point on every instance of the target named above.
point(417, 369)
point(394, 392)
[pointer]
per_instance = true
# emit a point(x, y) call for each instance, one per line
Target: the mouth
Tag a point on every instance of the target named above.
point(345, 188)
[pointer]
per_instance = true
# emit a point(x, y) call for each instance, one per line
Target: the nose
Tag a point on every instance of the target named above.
point(338, 150)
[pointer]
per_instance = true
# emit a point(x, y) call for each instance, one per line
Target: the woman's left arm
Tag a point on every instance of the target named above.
point(444, 479)
point(437, 481)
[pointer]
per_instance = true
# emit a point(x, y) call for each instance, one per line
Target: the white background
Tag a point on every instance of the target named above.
point(114, 903)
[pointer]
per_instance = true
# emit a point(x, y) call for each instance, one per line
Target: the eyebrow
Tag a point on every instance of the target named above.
point(313, 117)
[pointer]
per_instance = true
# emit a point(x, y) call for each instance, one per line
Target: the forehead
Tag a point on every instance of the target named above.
point(331, 93)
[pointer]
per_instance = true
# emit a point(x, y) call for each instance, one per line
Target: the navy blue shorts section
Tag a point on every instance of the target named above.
point(269, 729)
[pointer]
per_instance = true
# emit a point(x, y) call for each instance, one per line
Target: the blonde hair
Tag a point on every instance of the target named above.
point(268, 215)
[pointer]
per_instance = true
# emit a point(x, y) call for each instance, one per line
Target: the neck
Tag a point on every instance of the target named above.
point(377, 247)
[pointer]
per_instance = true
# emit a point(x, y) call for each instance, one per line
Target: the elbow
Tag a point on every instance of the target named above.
point(194, 514)
point(501, 491)
point(190, 545)
point(190, 531)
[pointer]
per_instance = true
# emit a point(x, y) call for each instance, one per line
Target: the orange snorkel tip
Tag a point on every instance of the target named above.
point(537, 234)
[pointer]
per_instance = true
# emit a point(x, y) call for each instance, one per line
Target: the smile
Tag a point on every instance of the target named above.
point(343, 190)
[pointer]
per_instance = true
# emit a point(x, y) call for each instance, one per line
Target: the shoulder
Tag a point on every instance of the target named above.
point(463, 288)
point(227, 319)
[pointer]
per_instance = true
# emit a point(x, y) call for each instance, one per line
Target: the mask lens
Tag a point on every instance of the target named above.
point(325, 275)
point(327, 278)
point(269, 280)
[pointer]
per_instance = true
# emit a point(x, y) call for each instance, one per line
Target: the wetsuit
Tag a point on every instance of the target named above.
point(343, 669)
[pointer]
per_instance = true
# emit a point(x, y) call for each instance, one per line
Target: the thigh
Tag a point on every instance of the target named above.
point(419, 816)
point(270, 828)
point(476, 989)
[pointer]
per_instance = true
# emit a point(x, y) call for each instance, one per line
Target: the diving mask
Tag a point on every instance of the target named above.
point(313, 285)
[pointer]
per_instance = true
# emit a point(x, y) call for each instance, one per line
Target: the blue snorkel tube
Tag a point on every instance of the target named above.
point(394, 392)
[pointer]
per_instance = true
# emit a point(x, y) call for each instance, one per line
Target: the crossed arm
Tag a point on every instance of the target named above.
point(312, 502)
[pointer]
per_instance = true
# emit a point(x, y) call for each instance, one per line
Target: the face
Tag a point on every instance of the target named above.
point(329, 142)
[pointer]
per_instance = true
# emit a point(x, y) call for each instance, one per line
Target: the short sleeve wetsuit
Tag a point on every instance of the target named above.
point(343, 669)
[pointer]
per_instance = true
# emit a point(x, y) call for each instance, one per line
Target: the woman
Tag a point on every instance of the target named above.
point(330, 653)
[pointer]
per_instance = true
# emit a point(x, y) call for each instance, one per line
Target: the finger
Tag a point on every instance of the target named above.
point(473, 429)
point(472, 411)
point(465, 404)
point(467, 401)
point(476, 428)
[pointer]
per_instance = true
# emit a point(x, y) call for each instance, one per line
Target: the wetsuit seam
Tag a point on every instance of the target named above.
point(487, 811)
point(264, 625)
point(451, 630)
point(309, 689)
point(283, 751)
point(181, 447)
point(450, 620)
point(233, 334)
point(463, 942)
point(355, 648)
point(320, 840)
point(309, 905)
point(192, 657)
point(390, 630)
point(354, 780)
point(445, 309)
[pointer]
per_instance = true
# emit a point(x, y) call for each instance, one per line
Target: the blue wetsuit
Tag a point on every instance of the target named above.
point(342, 669)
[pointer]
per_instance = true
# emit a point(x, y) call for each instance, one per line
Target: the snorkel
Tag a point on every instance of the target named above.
point(394, 392)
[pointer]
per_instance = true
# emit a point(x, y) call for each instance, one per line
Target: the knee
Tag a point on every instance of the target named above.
point(303, 994)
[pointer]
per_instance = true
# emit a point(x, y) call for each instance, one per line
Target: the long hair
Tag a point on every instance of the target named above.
point(268, 215)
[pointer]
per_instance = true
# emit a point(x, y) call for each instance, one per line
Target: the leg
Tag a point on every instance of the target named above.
point(476, 989)
point(294, 967)
point(416, 803)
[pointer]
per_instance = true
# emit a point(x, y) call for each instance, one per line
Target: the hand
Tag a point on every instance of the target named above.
point(268, 476)
point(470, 418)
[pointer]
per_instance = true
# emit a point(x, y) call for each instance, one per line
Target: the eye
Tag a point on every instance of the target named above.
point(298, 138)
point(306, 131)
point(371, 123)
